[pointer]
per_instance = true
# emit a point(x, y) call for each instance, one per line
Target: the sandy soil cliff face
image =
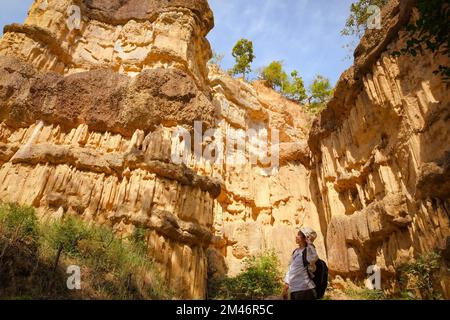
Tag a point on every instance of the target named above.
point(381, 152)
point(260, 208)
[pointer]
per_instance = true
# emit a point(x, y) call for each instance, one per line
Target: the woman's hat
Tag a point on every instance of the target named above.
point(309, 233)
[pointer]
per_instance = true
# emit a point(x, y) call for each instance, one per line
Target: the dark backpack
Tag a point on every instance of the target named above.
point(319, 277)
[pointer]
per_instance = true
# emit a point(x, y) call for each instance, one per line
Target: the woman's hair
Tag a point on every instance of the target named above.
point(301, 234)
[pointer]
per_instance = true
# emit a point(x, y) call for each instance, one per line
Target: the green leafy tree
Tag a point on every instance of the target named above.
point(430, 32)
point(275, 76)
point(243, 54)
point(296, 89)
point(292, 87)
point(320, 92)
point(356, 23)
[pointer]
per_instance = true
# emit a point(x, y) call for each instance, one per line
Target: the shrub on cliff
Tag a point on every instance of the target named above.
point(34, 257)
point(419, 279)
point(430, 32)
point(356, 23)
point(261, 278)
point(275, 76)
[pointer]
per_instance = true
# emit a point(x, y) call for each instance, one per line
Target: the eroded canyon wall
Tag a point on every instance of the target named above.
point(87, 108)
point(381, 152)
point(90, 112)
point(89, 121)
point(261, 207)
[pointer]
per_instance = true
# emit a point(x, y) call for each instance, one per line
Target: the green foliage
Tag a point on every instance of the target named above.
point(291, 87)
point(365, 294)
point(356, 23)
point(430, 32)
point(261, 278)
point(18, 223)
point(139, 239)
point(296, 88)
point(417, 279)
point(65, 235)
point(275, 76)
point(320, 90)
point(243, 54)
point(320, 93)
point(126, 262)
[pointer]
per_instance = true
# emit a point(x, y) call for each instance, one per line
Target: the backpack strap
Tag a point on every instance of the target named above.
point(304, 257)
point(306, 263)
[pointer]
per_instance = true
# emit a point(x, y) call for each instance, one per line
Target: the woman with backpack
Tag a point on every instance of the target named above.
point(307, 276)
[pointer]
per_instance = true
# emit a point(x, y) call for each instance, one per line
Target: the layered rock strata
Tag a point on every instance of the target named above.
point(90, 94)
point(381, 153)
point(94, 95)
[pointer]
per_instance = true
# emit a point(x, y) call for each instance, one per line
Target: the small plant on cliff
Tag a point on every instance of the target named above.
point(431, 32)
point(243, 54)
point(418, 279)
point(320, 93)
point(261, 278)
point(356, 23)
point(291, 87)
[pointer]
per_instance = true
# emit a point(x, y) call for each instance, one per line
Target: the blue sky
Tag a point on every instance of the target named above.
point(305, 34)
point(14, 11)
point(302, 33)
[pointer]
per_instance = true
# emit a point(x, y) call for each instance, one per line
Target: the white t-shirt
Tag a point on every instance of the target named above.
point(297, 276)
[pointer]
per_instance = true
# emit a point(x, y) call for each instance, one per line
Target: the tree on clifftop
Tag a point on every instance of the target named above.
point(243, 54)
point(290, 87)
point(274, 75)
point(320, 92)
point(356, 23)
point(296, 88)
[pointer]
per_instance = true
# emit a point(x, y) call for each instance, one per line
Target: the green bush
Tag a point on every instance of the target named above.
point(111, 267)
point(139, 239)
point(417, 279)
point(18, 223)
point(261, 278)
point(66, 235)
point(126, 263)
